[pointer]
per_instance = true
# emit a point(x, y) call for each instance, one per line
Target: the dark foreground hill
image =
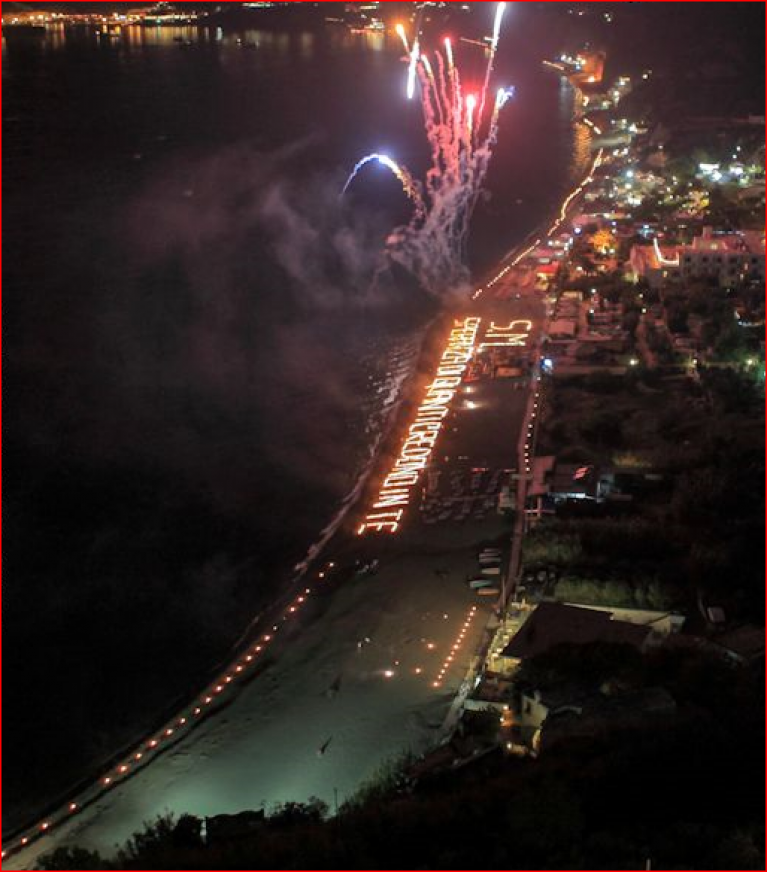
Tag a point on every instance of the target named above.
point(688, 796)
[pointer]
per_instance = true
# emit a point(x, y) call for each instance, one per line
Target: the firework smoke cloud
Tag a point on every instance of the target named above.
point(461, 137)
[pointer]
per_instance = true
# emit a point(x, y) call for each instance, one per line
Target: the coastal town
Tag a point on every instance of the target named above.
point(553, 569)
point(652, 331)
point(652, 345)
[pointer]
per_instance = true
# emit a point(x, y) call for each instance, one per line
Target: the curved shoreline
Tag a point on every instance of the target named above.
point(350, 500)
point(170, 729)
point(174, 728)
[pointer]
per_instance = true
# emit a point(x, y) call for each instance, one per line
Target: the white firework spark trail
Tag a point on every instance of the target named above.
point(433, 244)
point(409, 185)
point(493, 48)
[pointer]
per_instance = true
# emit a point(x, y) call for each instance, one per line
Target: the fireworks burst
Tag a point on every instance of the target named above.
point(432, 245)
point(409, 184)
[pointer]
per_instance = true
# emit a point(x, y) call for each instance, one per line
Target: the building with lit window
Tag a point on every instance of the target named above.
point(731, 258)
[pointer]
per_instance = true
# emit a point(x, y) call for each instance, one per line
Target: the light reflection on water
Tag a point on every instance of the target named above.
point(579, 151)
point(94, 122)
point(134, 36)
point(345, 86)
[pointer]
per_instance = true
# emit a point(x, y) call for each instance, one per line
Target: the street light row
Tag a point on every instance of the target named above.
point(460, 638)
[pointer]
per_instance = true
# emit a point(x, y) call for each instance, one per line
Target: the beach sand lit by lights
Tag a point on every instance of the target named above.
point(361, 669)
point(368, 700)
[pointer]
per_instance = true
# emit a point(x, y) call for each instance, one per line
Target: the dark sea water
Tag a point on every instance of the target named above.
point(195, 368)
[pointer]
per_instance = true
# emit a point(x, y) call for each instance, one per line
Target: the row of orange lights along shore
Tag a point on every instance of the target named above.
point(422, 435)
point(554, 227)
point(448, 662)
point(152, 745)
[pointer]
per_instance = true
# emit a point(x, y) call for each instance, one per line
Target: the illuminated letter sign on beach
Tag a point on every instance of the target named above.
point(394, 494)
point(506, 335)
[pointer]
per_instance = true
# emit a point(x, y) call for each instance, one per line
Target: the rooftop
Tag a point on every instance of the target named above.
point(645, 257)
point(740, 242)
point(561, 327)
point(573, 478)
point(557, 624)
point(603, 712)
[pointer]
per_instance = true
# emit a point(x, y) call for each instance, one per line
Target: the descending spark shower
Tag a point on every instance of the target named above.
point(433, 245)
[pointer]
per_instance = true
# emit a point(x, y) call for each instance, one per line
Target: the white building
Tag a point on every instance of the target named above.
point(729, 257)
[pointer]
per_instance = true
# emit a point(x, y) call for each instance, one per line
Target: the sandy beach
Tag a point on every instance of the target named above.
point(362, 670)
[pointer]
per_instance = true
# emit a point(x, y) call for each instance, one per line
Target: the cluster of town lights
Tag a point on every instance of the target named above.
point(148, 748)
point(460, 638)
point(395, 492)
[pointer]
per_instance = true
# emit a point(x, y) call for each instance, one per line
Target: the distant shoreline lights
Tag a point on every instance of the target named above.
point(394, 495)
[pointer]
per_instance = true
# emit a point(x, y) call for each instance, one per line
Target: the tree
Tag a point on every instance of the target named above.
point(144, 846)
point(602, 427)
point(604, 242)
point(388, 780)
point(631, 321)
point(676, 316)
point(73, 858)
point(550, 544)
point(290, 814)
point(730, 343)
point(580, 805)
